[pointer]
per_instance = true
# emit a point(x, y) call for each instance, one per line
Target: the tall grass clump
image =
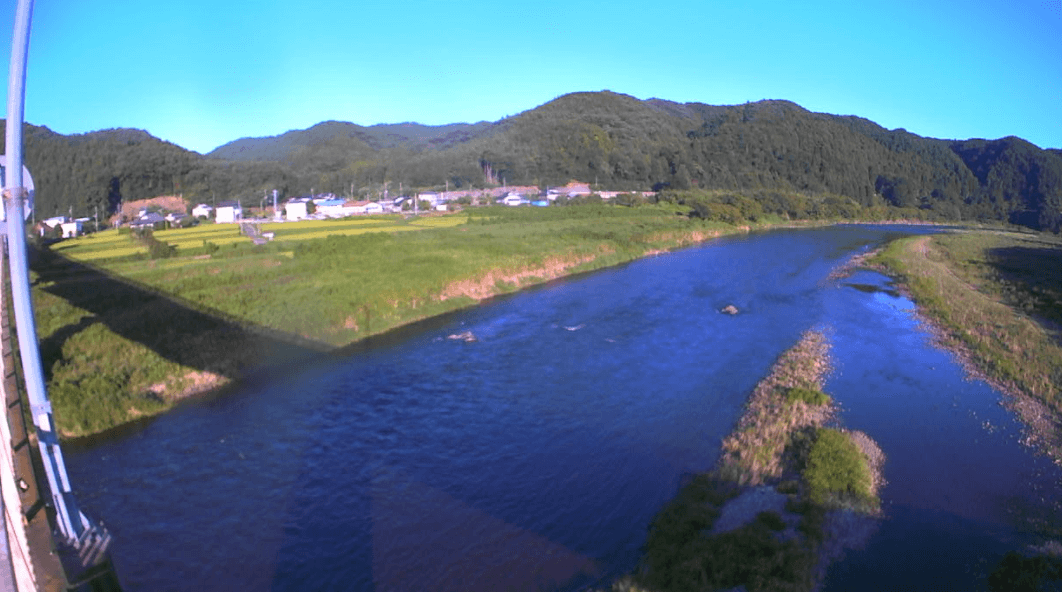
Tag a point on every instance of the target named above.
point(807, 396)
point(837, 473)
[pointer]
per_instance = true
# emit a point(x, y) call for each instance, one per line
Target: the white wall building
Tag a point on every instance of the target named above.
point(229, 212)
point(295, 209)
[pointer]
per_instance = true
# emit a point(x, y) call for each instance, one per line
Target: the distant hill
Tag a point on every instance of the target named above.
point(350, 139)
point(610, 140)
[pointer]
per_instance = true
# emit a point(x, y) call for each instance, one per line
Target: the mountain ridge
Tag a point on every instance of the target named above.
point(611, 140)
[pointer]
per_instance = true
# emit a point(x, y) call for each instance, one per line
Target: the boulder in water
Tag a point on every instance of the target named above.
point(467, 337)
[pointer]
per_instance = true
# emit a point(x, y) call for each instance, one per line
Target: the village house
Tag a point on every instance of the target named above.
point(150, 220)
point(332, 208)
point(228, 212)
point(72, 228)
point(572, 189)
point(296, 209)
point(202, 211)
point(431, 197)
point(48, 224)
point(179, 220)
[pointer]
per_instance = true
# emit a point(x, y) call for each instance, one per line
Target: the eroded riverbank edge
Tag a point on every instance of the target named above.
point(788, 496)
point(915, 271)
point(265, 351)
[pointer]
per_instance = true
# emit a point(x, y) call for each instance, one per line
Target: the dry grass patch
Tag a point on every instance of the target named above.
point(753, 453)
point(487, 284)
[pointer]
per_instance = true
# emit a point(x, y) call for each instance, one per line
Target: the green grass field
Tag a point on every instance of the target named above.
point(150, 330)
point(112, 244)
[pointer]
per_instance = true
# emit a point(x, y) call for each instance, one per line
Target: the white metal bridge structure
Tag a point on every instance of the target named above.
point(48, 543)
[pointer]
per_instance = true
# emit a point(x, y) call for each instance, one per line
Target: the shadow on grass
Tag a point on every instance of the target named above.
point(1031, 279)
point(206, 340)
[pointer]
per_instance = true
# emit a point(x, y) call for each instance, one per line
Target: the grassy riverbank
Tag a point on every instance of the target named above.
point(125, 336)
point(996, 299)
point(762, 519)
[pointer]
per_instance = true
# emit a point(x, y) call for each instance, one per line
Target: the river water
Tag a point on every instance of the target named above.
point(535, 457)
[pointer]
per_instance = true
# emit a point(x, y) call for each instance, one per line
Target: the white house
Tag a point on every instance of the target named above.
point(332, 208)
point(72, 229)
point(229, 211)
point(430, 197)
point(295, 209)
point(53, 222)
point(202, 210)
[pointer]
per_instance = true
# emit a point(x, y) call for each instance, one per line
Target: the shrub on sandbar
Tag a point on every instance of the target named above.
point(808, 396)
point(836, 470)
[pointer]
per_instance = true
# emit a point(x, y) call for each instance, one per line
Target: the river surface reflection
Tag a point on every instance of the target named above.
point(535, 457)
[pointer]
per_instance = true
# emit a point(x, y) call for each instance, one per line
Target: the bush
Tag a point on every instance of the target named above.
point(1016, 572)
point(771, 520)
point(680, 555)
point(836, 469)
point(808, 396)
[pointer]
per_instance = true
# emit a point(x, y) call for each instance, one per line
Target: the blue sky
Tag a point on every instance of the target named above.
point(202, 73)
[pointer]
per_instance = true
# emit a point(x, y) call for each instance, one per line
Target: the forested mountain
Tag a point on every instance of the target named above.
point(348, 139)
point(85, 173)
point(611, 140)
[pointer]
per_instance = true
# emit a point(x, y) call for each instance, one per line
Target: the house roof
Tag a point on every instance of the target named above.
point(229, 204)
point(147, 219)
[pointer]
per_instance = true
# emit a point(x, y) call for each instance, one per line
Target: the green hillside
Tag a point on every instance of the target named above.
point(613, 141)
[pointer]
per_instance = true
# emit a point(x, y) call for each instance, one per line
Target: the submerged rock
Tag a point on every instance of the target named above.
point(467, 337)
point(729, 309)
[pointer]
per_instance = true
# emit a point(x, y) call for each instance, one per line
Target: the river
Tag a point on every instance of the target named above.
point(535, 457)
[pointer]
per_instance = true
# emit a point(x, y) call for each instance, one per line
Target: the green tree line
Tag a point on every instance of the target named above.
point(613, 141)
